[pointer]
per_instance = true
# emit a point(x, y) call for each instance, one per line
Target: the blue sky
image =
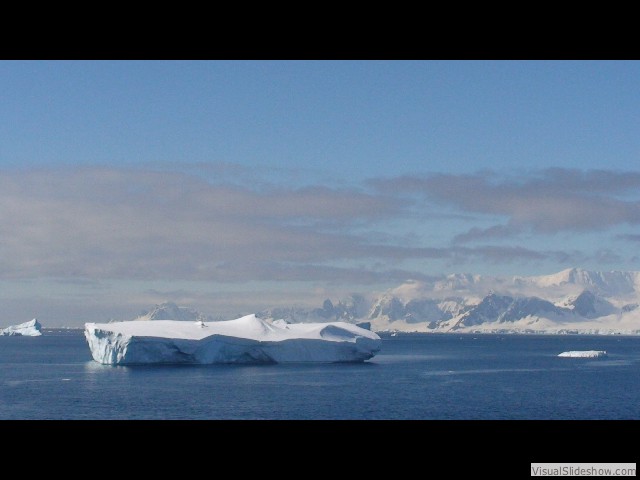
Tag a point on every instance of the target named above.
point(237, 186)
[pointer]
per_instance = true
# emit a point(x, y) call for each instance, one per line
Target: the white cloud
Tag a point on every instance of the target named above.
point(545, 201)
point(105, 223)
point(136, 224)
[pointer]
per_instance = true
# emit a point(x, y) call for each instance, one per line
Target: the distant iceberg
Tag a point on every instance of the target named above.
point(584, 354)
point(27, 329)
point(245, 340)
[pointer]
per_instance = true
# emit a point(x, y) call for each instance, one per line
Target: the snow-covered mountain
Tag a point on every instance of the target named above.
point(570, 301)
point(615, 283)
point(352, 309)
point(171, 311)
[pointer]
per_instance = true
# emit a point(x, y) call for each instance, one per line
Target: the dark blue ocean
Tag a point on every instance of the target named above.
point(415, 376)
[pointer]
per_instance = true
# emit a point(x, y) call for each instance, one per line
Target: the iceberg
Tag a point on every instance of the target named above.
point(27, 329)
point(584, 354)
point(246, 340)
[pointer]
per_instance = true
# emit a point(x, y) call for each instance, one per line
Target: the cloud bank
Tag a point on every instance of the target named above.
point(141, 224)
point(136, 224)
point(547, 201)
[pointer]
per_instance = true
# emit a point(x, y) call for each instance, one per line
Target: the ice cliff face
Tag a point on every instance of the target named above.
point(27, 329)
point(245, 340)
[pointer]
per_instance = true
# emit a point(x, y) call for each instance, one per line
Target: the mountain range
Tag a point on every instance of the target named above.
point(171, 311)
point(571, 301)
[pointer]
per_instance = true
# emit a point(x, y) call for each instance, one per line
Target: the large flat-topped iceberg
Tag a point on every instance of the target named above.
point(583, 354)
point(245, 340)
point(27, 329)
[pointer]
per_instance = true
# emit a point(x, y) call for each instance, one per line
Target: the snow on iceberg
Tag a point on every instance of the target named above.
point(247, 339)
point(27, 329)
point(584, 354)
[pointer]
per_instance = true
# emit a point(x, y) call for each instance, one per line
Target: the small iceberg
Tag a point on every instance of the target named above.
point(584, 354)
point(27, 329)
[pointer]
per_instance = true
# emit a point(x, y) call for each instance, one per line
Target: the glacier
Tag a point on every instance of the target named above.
point(583, 354)
point(31, 328)
point(245, 340)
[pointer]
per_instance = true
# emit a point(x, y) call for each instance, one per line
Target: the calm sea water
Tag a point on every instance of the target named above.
point(414, 377)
